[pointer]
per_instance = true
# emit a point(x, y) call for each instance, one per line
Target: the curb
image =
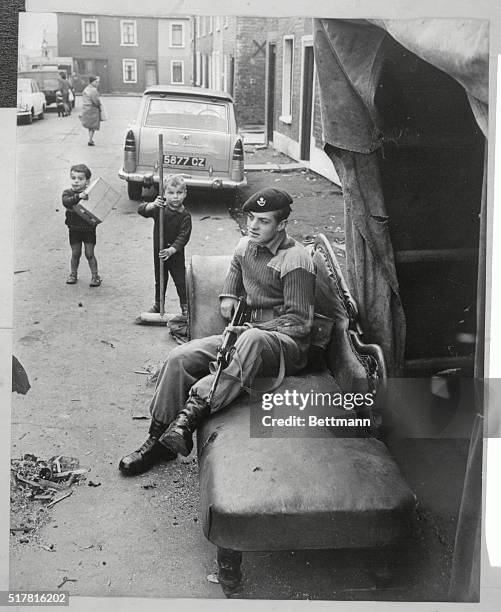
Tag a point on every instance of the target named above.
point(274, 167)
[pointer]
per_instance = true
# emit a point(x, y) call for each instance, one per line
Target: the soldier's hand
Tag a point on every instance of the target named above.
point(228, 305)
point(237, 329)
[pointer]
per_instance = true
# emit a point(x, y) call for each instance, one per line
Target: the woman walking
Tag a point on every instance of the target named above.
point(91, 109)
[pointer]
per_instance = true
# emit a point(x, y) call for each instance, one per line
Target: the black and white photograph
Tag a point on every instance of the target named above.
point(251, 286)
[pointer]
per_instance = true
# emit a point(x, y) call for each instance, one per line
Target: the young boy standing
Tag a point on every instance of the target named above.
point(176, 230)
point(79, 230)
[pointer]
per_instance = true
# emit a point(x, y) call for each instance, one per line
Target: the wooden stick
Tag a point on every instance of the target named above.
point(161, 220)
point(60, 498)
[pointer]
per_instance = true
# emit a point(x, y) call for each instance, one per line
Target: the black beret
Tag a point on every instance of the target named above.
point(268, 200)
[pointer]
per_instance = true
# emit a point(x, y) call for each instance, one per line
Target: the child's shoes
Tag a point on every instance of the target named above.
point(95, 281)
point(72, 279)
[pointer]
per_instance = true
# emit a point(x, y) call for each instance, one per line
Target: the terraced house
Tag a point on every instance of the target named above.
point(127, 53)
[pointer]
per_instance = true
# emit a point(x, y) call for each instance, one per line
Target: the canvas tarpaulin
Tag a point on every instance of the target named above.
point(350, 57)
point(360, 119)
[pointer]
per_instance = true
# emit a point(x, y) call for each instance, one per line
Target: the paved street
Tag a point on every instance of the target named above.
point(125, 537)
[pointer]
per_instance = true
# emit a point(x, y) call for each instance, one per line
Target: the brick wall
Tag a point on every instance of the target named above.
point(241, 41)
point(250, 69)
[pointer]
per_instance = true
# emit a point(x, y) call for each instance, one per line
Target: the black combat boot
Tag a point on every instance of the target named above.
point(179, 436)
point(148, 454)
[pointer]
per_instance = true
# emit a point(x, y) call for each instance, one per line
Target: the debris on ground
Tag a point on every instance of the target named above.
point(213, 578)
point(37, 485)
point(108, 343)
point(65, 580)
point(60, 498)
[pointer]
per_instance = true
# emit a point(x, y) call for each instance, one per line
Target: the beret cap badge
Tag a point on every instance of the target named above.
point(267, 200)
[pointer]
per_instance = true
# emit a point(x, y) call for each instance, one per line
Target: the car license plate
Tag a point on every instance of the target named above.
point(184, 160)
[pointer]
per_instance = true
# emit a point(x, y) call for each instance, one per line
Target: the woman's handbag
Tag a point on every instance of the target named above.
point(102, 113)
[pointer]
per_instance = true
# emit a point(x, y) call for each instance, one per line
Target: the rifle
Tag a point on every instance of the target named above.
point(225, 351)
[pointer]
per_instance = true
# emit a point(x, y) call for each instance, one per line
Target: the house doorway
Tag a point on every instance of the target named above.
point(270, 114)
point(150, 74)
point(307, 105)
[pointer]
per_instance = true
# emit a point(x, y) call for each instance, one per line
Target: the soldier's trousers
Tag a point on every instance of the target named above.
point(187, 369)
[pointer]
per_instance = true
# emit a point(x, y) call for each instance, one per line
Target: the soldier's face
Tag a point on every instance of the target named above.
point(263, 227)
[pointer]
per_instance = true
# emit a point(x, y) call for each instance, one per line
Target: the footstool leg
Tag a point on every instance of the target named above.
point(229, 573)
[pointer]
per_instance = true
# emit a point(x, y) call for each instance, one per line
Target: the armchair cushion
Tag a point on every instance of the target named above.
point(297, 492)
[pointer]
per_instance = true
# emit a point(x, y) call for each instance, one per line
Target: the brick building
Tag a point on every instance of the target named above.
point(128, 54)
point(230, 54)
point(293, 120)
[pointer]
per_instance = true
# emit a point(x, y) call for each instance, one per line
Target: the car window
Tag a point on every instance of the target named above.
point(23, 85)
point(50, 83)
point(187, 115)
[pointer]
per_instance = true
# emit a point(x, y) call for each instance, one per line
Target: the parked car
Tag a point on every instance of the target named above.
point(30, 100)
point(200, 136)
point(48, 82)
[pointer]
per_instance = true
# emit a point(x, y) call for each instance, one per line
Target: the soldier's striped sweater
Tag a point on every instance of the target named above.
point(278, 276)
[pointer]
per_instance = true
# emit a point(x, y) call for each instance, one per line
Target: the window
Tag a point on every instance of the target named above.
point(226, 21)
point(90, 32)
point(177, 72)
point(177, 34)
point(197, 25)
point(188, 114)
point(286, 116)
point(204, 26)
point(210, 25)
point(217, 23)
point(128, 31)
point(129, 69)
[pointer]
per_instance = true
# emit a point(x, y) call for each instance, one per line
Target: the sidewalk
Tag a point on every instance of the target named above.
point(260, 156)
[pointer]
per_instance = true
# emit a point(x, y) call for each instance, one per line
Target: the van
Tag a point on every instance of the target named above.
point(48, 82)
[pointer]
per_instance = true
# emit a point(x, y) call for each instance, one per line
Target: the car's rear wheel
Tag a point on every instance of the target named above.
point(134, 190)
